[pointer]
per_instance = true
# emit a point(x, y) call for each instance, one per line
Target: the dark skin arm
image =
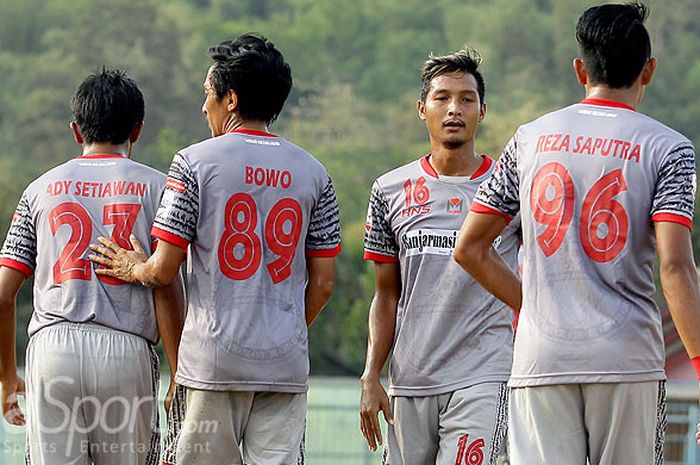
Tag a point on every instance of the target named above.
point(170, 311)
point(679, 282)
point(134, 266)
point(382, 322)
point(319, 288)
point(12, 385)
point(475, 254)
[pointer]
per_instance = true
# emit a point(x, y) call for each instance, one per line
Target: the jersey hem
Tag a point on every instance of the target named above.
point(477, 207)
point(381, 258)
point(169, 237)
point(423, 391)
point(23, 268)
point(313, 253)
point(240, 386)
point(588, 378)
point(667, 217)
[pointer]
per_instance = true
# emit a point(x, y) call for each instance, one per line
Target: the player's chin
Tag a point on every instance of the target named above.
point(454, 142)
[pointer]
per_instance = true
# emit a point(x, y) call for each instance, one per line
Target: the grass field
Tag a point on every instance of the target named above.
point(332, 437)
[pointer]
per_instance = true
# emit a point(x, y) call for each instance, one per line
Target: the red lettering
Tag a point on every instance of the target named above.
point(273, 177)
point(249, 175)
point(636, 152)
point(540, 144)
point(286, 179)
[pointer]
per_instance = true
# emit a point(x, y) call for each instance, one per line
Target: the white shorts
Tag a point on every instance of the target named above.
point(464, 427)
point(269, 425)
point(91, 397)
point(608, 424)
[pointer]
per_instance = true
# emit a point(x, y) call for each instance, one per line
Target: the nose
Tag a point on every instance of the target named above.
point(204, 107)
point(453, 108)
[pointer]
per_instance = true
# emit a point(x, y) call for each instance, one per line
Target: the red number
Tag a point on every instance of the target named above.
point(69, 264)
point(241, 218)
point(123, 216)
point(552, 203)
point(284, 214)
point(472, 455)
point(282, 233)
point(420, 194)
point(604, 224)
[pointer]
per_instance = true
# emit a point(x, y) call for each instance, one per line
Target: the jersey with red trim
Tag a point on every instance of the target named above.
point(58, 216)
point(589, 180)
point(450, 332)
point(252, 207)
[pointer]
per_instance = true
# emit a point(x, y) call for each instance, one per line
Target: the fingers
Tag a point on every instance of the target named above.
point(368, 429)
point(105, 271)
point(136, 245)
point(109, 253)
point(386, 410)
point(107, 243)
point(14, 415)
point(100, 259)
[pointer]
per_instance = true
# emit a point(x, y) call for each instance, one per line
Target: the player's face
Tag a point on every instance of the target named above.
point(215, 110)
point(452, 109)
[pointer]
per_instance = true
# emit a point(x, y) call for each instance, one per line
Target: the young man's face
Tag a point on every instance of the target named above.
point(452, 109)
point(215, 110)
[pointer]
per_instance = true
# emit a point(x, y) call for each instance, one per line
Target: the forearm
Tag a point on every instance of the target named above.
point(380, 339)
point(489, 269)
point(318, 293)
point(680, 286)
point(170, 303)
point(152, 273)
point(8, 354)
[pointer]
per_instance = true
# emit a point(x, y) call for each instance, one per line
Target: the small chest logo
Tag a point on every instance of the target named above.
point(454, 205)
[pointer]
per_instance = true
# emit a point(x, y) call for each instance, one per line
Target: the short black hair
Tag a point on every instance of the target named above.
point(614, 43)
point(255, 70)
point(107, 106)
point(466, 60)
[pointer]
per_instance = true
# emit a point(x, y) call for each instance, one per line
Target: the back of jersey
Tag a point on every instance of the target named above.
point(591, 180)
point(252, 207)
point(59, 215)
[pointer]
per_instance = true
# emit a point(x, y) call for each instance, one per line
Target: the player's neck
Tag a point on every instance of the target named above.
point(235, 124)
point(462, 161)
point(105, 148)
point(631, 96)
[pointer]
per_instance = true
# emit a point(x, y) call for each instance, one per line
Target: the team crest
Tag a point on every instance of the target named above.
point(454, 205)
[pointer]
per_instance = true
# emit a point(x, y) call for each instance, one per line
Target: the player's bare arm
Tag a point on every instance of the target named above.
point(170, 312)
point(382, 321)
point(12, 385)
point(475, 254)
point(319, 288)
point(134, 266)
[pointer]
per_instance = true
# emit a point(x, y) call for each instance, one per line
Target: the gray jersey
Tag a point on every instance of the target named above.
point(58, 216)
point(251, 206)
point(589, 180)
point(450, 332)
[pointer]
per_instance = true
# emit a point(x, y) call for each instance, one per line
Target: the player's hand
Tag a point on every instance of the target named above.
point(169, 395)
point(11, 389)
point(373, 400)
point(119, 262)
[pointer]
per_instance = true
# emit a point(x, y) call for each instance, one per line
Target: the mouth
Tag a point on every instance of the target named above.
point(453, 124)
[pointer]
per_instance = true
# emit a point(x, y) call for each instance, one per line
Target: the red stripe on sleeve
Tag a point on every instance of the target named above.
point(169, 237)
point(672, 218)
point(481, 208)
point(314, 253)
point(17, 266)
point(696, 364)
point(377, 257)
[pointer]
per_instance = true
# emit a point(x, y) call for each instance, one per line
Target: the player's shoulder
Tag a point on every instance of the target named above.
point(660, 132)
point(148, 171)
point(51, 175)
point(398, 175)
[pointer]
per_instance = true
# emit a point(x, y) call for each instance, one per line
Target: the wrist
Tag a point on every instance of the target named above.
point(370, 377)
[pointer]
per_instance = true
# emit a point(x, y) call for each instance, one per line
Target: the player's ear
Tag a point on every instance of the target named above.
point(648, 71)
point(136, 132)
point(420, 106)
point(482, 112)
point(580, 70)
point(231, 101)
point(77, 135)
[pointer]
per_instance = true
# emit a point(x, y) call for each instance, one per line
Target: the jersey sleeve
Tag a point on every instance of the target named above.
point(380, 243)
point(500, 194)
point(19, 250)
point(323, 237)
point(674, 199)
point(178, 211)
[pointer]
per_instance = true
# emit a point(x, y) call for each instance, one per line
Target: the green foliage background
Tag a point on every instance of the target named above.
point(356, 70)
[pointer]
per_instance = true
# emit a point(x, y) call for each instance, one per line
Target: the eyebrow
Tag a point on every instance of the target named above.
point(465, 91)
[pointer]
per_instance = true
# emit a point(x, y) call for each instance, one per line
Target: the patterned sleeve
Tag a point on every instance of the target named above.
point(674, 199)
point(500, 195)
point(178, 211)
point(380, 243)
point(323, 237)
point(19, 250)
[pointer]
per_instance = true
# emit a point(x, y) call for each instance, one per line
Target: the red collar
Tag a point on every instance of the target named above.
point(252, 132)
point(483, 168)
point(606, 103)
point(101, 155)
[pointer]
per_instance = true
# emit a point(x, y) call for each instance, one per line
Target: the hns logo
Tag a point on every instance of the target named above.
point(454, 205)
